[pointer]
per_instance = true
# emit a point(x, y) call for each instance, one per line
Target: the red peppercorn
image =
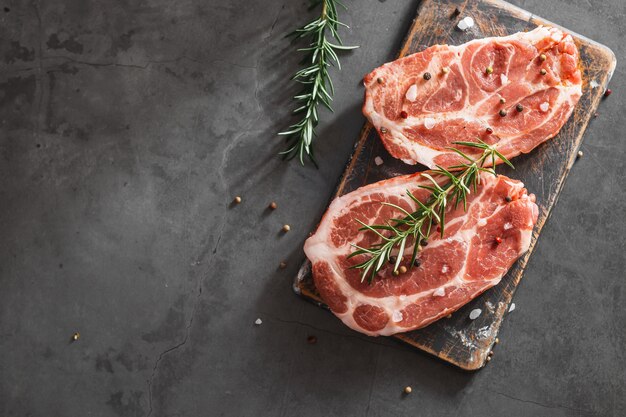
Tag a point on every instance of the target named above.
point(404, 114)
point(489, 130)
point(498, 239)
point(607, 92)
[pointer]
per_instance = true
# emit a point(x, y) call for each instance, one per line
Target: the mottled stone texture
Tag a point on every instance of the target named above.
point(127, 127)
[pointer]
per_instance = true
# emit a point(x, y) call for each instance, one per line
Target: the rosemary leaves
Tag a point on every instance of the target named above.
point(407, 233)
point(317, 84)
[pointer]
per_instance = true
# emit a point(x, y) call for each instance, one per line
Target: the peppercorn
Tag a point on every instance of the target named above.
point(286, 228)
point(489, 70)
point(424, 242)
point(416, 263)
point(404, 114)
point(542, 57)
point(579, 154)
point(508, 199)
point(379, 80)
point(402, 269)
point(497, 341)
point(427, 76)
point(396, 273)
point(498, 239)
point(502, 112)
point(237, 200)
point(489, 130)
point(282, 265)
point(488, 358)
point(311, 340)
point(445, 70)
point(273, 205)
point(502, 100)
point(543, 71)
point(607, 92)
point(76, 336)
point(407, 390)
point(383, 130)
point(392, 259)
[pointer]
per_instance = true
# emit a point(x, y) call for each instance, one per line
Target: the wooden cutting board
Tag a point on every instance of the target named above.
point(459, 340)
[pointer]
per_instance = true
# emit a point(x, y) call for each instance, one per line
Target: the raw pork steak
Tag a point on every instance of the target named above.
point(453, 269)
point(469, 86)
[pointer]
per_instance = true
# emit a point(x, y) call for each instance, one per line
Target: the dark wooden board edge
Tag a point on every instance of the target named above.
point(602, 68)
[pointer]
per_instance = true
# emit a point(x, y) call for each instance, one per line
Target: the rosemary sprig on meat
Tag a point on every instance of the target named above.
point(318, 87)
point(415, 228)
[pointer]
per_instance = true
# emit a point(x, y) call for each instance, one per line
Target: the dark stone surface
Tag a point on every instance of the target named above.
point(127, 127)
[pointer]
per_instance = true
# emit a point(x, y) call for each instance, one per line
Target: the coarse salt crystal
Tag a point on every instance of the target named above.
point(396, 316)
point(439, 292)
point(378, 160)
point(544, 106)
point(411, 93)
point(258, 322)
point(402, 297)
point(594, 84)
point(504, 79)
point(444, 269)
point(429, 123)
point(512, 307)
point(466, 23)
point(508, 226)
point(475, 313)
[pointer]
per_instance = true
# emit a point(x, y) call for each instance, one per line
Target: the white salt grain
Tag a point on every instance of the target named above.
point(466, 23)
point(512, 307)
point(444, 269)
point(504, 79)
point(475, 313)
point(402, 297)
point(429, 123)
point(508, 226)
point(396, 316)
point(378, 160)
point(439, 292)
point(594, 84)
point(544, 106)
point(411, 93)
point(258, 322)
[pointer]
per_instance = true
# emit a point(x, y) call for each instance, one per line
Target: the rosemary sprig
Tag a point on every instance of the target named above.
point(460, 181)
point(318, 87)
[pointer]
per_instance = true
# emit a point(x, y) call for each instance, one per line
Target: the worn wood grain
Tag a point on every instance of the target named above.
point(458, 340)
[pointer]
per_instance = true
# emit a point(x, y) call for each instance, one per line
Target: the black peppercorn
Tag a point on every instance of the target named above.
point(508, 199)
point(416, 263)
point(519, 107)
point(502, 113)
point(427, 76)
point(392, 259)
point(424, 242)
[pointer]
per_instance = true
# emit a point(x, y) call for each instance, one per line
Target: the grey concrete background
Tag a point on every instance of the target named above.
point(127, 127)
